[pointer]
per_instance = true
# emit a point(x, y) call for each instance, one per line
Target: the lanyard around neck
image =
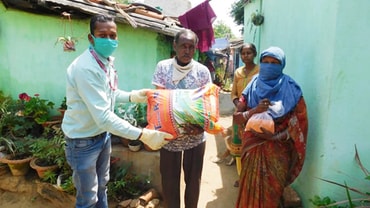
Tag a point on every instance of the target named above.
point(102, 66)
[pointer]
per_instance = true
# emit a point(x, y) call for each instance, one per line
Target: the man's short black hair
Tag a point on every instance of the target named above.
point(99, 18)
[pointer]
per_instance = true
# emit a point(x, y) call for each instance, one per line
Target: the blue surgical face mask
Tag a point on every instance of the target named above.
point(104, 46)
point(270, 71)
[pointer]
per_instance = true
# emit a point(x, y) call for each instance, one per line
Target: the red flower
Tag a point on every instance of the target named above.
point(24, 96)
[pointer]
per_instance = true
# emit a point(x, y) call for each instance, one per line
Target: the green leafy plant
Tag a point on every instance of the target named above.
point(23, 117)
point(257, 18)
point(5, 103)
point(320, 202)
point(50, 177)
point(134, 113)
point(36, 107)
point(65, 183)
point(363, 201)
point(17, 148)
point(125, 184)
point(12, 121)
point(49, 149)
point(63, 105)
point(22, 148)
point(8, 145)
point(19, 126)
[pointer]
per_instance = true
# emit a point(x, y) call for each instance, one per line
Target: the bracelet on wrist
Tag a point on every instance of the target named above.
point(287, 136)
point(245, 115)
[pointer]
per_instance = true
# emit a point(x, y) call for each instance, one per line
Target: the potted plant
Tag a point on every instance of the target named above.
point(36, 107)
point(4, 145)
point(135, 145)
point(3, 168)
point(17, 155)
point(13, 122)
point(48, 152)
point(257, 18)
point(63, 106)
point(68, 42)
point(5, 103)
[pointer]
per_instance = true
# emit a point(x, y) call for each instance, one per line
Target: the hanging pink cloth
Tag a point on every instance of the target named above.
point(200, 19)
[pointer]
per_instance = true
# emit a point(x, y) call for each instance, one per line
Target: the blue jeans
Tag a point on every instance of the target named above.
point(89, 159)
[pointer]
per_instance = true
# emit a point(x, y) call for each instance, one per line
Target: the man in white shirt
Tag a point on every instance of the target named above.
point(90, 119)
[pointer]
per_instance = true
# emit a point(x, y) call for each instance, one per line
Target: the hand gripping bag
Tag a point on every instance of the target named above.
point(264, 119)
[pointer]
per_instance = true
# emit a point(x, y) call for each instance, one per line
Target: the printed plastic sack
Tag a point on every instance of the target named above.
point(265, 120)
point(169, 109)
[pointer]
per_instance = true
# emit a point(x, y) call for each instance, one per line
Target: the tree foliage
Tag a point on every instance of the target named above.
point(221, 30)
point(237, 12)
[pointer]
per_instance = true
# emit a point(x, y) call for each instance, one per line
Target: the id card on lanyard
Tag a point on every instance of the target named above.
point(112, 78)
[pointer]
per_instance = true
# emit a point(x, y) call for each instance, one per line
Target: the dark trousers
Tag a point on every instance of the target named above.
point(170, 167)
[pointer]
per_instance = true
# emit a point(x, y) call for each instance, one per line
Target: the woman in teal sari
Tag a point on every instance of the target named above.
point(271, 160)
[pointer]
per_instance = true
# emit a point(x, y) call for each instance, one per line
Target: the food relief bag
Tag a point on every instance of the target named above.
point(264, 119)
point(168, 110)
point(258, 120)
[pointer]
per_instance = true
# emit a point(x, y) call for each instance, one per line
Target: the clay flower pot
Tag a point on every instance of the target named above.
point(42, 169)
point(17, 167)
point(53, 121)
point(3, 169)
point(61, 111)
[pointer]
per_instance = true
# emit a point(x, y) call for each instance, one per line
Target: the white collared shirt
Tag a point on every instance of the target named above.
point(90, 101)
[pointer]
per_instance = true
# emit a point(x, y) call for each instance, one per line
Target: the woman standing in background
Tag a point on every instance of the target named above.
point(242, 76)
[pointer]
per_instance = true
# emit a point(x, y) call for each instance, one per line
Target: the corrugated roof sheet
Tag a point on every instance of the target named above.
point(137, 15)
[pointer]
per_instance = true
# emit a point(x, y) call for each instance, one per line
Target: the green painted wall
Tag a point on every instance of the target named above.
point(327, 48)
point(31, 62)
